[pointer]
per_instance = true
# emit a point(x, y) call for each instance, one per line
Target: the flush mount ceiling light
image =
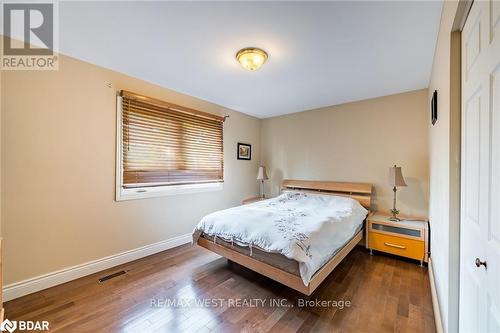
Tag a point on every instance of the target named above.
point(251, 58)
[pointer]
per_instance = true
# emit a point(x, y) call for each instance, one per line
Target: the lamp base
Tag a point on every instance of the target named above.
point(394, 213)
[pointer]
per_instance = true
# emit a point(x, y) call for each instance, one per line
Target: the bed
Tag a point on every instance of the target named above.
point(297, 238)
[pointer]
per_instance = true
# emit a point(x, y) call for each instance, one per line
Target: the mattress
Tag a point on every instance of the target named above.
point(274, 259)
point(307, 228)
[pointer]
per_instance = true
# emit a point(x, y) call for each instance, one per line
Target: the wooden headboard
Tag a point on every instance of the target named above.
point(361, 192)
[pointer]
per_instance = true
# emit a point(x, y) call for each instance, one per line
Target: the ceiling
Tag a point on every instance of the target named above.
point(320, 53)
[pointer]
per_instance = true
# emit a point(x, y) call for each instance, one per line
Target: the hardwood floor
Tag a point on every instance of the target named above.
point(386, 295)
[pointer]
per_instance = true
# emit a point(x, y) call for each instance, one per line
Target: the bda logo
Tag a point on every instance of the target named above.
point(24, 325)
point(8, 325)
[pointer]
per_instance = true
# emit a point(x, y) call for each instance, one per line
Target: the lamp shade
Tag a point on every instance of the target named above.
point(262, 174)
point(396, 177)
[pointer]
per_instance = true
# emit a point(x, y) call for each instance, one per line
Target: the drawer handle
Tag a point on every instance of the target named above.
point(395, 245)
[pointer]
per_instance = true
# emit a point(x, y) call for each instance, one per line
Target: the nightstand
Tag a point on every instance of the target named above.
point(407, 238)
point(252, 199)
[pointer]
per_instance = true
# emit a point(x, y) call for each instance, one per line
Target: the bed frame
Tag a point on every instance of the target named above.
point(358, 191)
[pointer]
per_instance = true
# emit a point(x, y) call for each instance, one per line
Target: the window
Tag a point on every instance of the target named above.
point(165, 148)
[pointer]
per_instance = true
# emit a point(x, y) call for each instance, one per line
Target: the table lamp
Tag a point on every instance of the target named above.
point(396, 180)
point(262, 175)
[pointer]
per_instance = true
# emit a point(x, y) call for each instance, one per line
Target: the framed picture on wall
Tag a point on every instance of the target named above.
point(434, 107)
point(244, 151)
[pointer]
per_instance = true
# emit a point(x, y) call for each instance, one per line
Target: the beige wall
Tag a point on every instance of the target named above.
point(444, 147)
point(58, 161)
point(1, 170)
point(355, 142)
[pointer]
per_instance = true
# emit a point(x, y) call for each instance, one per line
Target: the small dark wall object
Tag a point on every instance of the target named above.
point(110, 276)
point(434, 107)
point(244, 151)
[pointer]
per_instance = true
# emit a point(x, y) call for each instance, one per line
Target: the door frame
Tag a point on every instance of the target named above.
point(463, 10)
point(455, 148)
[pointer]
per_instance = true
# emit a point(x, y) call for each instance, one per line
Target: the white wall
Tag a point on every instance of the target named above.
point(444, 170)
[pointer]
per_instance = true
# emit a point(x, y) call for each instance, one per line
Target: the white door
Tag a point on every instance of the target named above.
point(480, 197)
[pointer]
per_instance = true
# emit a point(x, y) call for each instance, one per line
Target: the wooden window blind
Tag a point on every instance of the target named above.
point(166, 144)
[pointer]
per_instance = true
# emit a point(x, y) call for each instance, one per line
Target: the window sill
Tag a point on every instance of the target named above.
point(163, 191)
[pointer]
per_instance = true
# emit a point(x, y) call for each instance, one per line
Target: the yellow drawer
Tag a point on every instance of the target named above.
point(405, 247)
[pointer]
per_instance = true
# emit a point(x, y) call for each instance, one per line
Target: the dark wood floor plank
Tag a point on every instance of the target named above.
point(386, 294)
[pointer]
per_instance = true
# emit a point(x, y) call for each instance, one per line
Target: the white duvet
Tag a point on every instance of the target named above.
point(307, 227)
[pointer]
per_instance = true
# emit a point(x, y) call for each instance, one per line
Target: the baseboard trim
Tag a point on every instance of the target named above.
point(48, 280)
point(435, 300)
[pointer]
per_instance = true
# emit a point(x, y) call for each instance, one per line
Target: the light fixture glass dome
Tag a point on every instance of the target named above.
point(251, 58)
